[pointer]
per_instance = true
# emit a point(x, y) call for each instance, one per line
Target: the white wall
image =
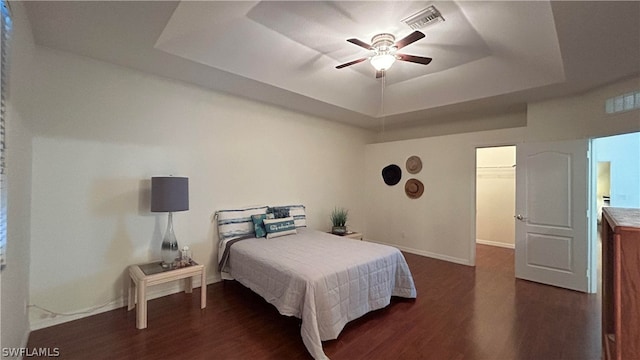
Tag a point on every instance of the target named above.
point(495, 196)
point(441, 224)
point(101, 132)
point(15, 277)
point(460, 123)
point(583, 116)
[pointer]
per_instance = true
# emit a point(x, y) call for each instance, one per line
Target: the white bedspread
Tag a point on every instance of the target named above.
point(322, 279)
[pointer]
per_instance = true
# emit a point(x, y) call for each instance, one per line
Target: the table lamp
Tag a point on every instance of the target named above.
point(169, 194)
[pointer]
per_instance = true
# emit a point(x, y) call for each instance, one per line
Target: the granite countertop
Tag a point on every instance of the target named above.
point(622, 217)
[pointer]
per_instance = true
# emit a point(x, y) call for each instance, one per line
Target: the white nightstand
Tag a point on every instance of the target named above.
point(351, 235)
point(145, 275)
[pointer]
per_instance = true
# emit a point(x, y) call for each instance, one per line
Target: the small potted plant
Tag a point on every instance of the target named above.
point(339, 221)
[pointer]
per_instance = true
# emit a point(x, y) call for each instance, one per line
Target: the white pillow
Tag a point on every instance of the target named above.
point(279, 227)
point(298, 213)
point(233, 224)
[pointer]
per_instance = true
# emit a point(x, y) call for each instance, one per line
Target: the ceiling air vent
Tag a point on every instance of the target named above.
point(423, 18)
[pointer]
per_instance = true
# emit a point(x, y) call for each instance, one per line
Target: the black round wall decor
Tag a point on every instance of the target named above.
point(391, 174)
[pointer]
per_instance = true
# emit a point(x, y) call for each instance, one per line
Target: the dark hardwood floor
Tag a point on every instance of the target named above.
point(460, 313)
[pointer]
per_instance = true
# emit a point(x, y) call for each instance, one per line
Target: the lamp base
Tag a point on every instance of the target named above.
point(169, 254)
point(169, 250)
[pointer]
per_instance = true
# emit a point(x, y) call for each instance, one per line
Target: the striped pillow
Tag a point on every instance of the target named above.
point(233, 224)
point(297, 212)
point(279, 227)
point(279, 212)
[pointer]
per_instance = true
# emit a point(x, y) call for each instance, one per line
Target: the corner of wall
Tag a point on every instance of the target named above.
point(15, 276)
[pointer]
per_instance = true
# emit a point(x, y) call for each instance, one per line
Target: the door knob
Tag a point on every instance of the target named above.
point(520, 217)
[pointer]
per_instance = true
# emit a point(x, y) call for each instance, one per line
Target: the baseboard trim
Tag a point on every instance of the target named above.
point(427, 253)
point(495, 243)
point(49, 321)
point(176, 287)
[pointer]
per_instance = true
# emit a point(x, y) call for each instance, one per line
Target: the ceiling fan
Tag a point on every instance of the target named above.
point(385, 51)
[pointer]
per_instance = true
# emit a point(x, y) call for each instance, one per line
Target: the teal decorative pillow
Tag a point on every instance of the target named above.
point(258, 224)
point(279, 227)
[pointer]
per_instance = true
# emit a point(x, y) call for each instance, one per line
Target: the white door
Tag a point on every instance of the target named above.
point(551, 213)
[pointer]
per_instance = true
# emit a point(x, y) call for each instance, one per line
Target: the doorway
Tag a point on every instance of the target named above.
point(495, 203)
point(615, 175)
point(619, 157)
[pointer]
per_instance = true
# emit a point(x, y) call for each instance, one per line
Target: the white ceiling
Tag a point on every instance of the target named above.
point(487, 56)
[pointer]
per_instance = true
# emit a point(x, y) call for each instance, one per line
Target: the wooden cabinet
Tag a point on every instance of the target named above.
point(621, 283)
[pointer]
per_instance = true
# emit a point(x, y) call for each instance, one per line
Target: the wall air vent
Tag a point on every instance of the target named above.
point(424, 18)
point(623, 102)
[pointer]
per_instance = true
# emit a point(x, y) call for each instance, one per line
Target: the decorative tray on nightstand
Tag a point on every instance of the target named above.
point(156, 267)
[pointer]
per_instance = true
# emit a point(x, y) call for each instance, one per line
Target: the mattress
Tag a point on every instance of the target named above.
point(324, 280)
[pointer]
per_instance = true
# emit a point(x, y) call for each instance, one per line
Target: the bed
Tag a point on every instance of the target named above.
point(322, 279)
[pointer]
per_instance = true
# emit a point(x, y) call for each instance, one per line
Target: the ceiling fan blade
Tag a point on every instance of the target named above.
point(351, 63)
point(414, 59)
point(379, 74)
point(360, 43)
point(411, 38)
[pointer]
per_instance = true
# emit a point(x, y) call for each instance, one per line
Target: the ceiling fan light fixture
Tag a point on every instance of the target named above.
point(384, 48)
point(382, 62)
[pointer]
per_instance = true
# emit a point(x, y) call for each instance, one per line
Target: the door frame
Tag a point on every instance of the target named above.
point(592, 218)
point(474, 208)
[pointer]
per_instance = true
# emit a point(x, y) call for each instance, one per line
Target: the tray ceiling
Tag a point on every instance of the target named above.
point(486, 55)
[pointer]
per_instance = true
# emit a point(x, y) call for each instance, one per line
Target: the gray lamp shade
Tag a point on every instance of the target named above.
point(169, 193)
